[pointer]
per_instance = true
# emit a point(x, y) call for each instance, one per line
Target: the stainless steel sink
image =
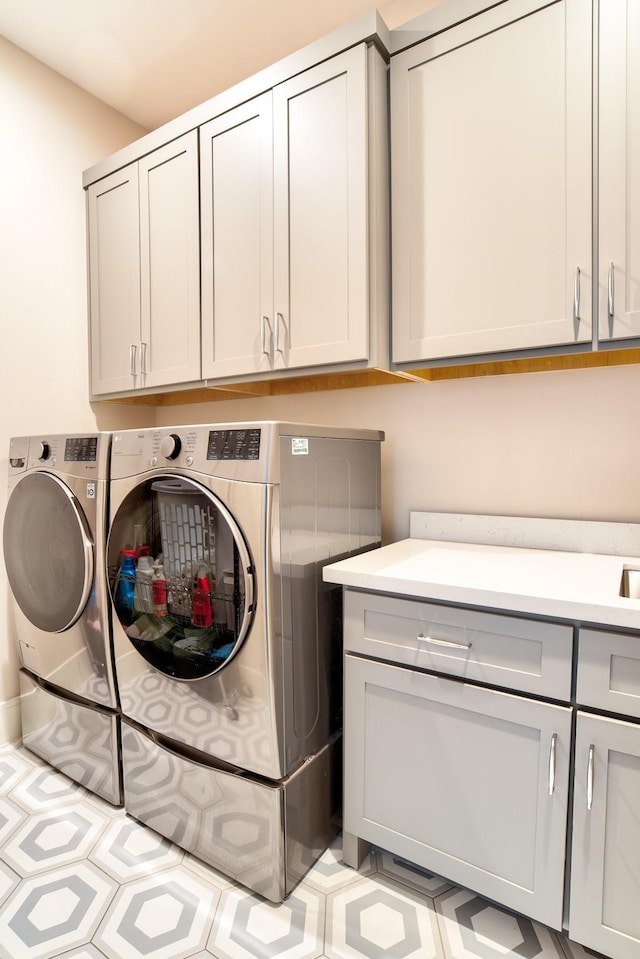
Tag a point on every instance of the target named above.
point(630, 583)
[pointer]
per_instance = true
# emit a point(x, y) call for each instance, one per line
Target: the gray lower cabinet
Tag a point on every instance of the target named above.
point(473, 782)
point(605, 863)
point(469, 782)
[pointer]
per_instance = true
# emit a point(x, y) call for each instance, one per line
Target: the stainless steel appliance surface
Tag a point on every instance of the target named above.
point(54, 550)
point(227, 642)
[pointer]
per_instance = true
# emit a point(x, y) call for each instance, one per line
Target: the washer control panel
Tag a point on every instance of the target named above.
point(81, 449)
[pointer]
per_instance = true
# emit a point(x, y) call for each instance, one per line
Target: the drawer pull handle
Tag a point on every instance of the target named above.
point(442, 642)
point(266, 336)
point(281, 333)
point(552, 764)
point(590, 777)
point(610, 291)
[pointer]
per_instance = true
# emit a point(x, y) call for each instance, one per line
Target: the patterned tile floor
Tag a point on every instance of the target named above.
point(79, 879)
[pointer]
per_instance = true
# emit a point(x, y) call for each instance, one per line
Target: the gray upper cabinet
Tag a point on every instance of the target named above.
point(294, 234)
point(491, 184)
point(619, 170)
point(144, 281)
point(236, 172)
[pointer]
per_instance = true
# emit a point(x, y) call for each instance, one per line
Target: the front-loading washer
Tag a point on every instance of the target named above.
point(227, 642)
point(54, 551)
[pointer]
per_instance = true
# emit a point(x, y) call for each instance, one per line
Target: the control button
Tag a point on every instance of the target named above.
point(44, 451)
point(189, 460)
point(153, 461)
point(170, 446)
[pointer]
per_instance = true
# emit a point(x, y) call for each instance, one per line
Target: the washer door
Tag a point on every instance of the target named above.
point(48, 552)
point(180, 576)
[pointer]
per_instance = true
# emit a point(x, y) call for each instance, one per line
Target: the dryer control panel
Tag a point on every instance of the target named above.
point(234, 444)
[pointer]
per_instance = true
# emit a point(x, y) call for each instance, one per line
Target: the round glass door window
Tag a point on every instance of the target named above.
point(180, 577)
point(48, 552)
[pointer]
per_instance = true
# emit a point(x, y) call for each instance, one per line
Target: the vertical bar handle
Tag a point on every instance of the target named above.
point(132, 359)
point(610, 290)
point(143, 358)
point(280, 325)
point(265, 331)
point(552, 763)
point(590, 777)
point(576, 296)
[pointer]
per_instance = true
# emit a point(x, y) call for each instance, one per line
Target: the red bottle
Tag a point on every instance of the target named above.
point(201, 606)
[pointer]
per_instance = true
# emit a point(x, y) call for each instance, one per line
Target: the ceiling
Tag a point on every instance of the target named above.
point(152, 60)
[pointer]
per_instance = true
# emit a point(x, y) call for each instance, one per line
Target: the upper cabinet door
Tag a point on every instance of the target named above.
point(236, 164)
point(320, 212)
point(619, 170)
point(170, 264)
point(491, 184)
point(114, 281)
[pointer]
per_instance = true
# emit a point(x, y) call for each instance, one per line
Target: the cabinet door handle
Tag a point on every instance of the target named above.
point(132, 359)
point(143, 358)
point(266, 336)
point(590, 777)
point(280, 325)
point(576, 296)
point(552, 763)
point(442, 642)
point(610, 291)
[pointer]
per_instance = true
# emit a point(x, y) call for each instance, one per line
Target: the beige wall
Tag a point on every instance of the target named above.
point(50, 132)
point(542, 444)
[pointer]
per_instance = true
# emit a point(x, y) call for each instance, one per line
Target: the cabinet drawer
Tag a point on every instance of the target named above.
point(609, 671)
point(501, 650)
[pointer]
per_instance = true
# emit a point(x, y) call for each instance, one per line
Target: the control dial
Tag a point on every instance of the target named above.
point(170, 446)
point(43, 450)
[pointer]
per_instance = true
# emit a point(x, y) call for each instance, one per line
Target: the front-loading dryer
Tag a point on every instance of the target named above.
point(54, 552)
point(227, 642)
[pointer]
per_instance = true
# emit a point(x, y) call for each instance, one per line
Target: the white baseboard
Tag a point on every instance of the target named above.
point(10, 725)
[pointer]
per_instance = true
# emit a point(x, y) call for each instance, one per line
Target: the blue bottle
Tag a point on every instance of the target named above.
point(126, 585)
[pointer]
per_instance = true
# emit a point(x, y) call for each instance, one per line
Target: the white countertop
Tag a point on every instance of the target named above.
point(545, 582)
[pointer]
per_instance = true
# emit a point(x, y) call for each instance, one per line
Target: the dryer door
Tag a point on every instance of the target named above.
point(48, 552)
point(181, 577)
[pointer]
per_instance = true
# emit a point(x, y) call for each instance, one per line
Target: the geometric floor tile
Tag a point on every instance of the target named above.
point(206, 872)
point(45, 788)
point(9, 880)
point(248, 927)
point(14, 764)
point(473, 928)
point(405, 872)
point(50, 839)
point(84, 952)
point(377, 919)
point(10, 818)
point(54, 912)
point(329, 873)
point(164, 916)
point(128, 850)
